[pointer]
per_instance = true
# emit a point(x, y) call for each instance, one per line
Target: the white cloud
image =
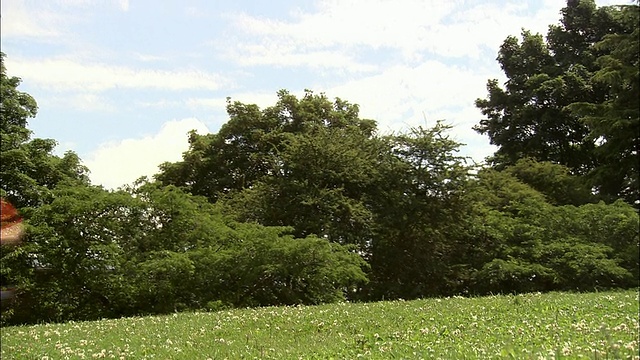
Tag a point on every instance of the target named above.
point(218, 104)
point(197, 12)
point(462, 120)
point(160, 104)
point(78, 101)
point(64, 147)
point(45, 20)
point(214, 103)
point(115, 164)
point(19, 21)
point(64, 74)
point(262, 99)
point(287, 55)
point(369, 22)
point(400, 95)
point(408, 29)
point(148, 58)
point(124, 5)
point(91, 102)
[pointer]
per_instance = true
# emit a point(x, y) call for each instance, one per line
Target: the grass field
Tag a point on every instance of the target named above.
point(557, 325)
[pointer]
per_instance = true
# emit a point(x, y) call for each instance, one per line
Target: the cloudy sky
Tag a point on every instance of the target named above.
point(121, 82)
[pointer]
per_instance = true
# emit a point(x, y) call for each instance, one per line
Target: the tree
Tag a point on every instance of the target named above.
point(92, 253)
point(322, 186)
point(553, 180)
point(70, 264)
point(29, 169)
point(17, 107)
point(537, 116)
point(519, 242)
point(313, 165)
point(309, 164)
point(247, 147)
point(614, 123)
point(419, 216)
point(152, 248)
point(190, 254)
point(527, 118)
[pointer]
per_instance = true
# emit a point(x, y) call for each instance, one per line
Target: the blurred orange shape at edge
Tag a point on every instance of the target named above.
point(11, 228)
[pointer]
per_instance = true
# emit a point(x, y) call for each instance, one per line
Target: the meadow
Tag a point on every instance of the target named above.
point(529, 326)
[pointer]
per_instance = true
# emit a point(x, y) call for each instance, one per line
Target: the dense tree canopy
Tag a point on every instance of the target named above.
point(93, 253)
point(313, 165)
point(248, 146)
point(572, 98)
point(29, 169)
point(524, 243)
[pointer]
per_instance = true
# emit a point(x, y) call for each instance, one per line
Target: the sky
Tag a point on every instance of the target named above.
point(122, 82)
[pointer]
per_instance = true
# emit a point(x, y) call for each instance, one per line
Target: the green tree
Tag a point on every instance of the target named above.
point(310, 164)
point(527, 118)
point(28, 169)
point(553, 180)
point(500, 237)
point(536, 116)
point(419, 216)
point(264, 266)
point(313, 165)
point(322, 186)
point(154, 249)
point(523, 243)
point(247, 147)
point(69, 266)
point(614, 123)
point(613, 227)
point(17, 107)
point(193, 255)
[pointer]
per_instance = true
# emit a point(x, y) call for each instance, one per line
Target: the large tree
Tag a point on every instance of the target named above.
point(313, 165)
point(28, 168)
point(518, 241)
point(246, 149)
point(29, 171)
point(152, 249)
point(614, 123)
point(306, 163)
point(90, 253)
point(589, 58)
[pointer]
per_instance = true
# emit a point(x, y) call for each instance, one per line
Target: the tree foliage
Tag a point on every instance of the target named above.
point(524, 243)
point(615, 122)
point(419, 216)
point(552, 180)
point(572, 98)
point(29, 169)
point(247, 148)
point(315, 166)
point(93, 253)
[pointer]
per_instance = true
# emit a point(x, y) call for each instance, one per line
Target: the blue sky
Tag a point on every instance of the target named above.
point(121, 82)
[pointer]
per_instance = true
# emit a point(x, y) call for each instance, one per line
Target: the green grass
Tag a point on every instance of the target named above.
point(556, 325)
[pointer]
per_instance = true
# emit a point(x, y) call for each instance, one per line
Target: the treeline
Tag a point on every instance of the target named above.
point(304, 202)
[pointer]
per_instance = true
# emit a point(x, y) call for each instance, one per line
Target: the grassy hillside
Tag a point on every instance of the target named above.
point(556, 325)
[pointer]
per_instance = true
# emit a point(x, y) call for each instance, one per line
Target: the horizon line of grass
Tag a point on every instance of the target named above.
point(527, 326)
